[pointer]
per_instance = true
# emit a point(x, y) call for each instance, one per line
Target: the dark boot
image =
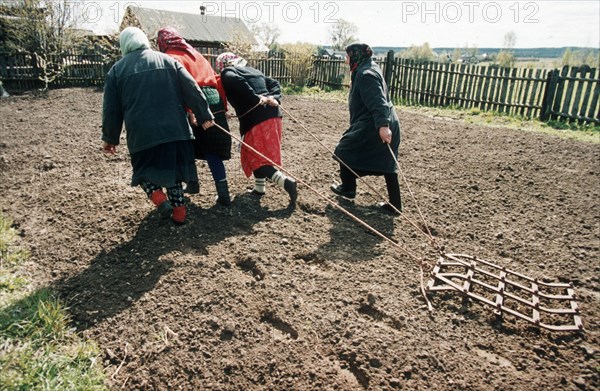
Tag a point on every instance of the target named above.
point(288, 184)
point(292, 189)
point(193, 187)
point(393, 188)
point(339, 190)
point(163, 205)
point(223, 193)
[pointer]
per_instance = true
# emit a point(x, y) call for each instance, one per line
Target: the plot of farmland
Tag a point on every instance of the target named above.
point(259, 296)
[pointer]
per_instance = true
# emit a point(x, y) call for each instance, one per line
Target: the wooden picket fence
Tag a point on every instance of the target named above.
point(505, 90)
point(570, 94)
point(573, 94)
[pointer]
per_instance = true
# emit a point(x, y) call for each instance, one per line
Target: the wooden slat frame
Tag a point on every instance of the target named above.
point(468, 281)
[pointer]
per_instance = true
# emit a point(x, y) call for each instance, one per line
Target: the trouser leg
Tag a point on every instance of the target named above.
point(393, 189)
point(216, 166)
point(348, 179)
point(175, 195)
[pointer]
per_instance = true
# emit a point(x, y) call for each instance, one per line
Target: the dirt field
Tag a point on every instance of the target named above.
point(260, 296)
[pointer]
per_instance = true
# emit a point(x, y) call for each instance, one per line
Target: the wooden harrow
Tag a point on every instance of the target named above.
point(507, 291)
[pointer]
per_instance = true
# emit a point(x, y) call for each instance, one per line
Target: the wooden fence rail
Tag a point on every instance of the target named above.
point(570, 94)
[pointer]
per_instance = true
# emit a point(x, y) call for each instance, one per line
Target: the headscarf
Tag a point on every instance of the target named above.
point(358, 53)
point(169, 38)
point(131, 39)
point(229, 59)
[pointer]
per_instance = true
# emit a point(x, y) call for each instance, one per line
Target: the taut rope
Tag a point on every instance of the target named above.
point(343, 210)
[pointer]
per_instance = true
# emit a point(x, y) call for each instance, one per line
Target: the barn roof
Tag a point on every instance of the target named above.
point(193, 27)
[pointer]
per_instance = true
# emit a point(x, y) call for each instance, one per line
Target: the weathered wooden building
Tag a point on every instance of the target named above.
point(197, 29)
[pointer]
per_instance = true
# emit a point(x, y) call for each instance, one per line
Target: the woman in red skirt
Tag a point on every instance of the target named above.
point(255, 99)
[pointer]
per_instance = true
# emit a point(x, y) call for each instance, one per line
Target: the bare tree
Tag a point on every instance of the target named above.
point(42, 26)
point(267, 34)
point(510, 40)
point(506, 58)
point(44, 29)
point(342, 34)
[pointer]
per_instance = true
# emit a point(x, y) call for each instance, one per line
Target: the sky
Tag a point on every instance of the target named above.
point(394, 23)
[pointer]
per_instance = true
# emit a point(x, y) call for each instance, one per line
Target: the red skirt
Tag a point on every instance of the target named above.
point(266, 139)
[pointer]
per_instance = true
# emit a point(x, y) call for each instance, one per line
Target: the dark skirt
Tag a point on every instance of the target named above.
point(213, 140)
point(165, 165)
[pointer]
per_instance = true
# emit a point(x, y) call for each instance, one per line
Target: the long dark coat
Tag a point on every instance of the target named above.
point(370, 107)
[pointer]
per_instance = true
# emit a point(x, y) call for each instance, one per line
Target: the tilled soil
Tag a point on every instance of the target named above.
point(263, 296)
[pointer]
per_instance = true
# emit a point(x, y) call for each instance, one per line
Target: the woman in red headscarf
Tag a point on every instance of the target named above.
point(212, 145)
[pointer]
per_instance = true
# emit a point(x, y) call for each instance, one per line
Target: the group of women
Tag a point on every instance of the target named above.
point(174, 105)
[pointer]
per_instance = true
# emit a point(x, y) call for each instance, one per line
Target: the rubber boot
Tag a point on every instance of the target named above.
point(179, 214)
point(259, 187)
point(292, 189)
point(287, 184)
point(223, 193)
point(193, 187)
point(164, 207)
point(393, 188)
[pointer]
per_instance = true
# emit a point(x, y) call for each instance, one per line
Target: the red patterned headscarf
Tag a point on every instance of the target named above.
point(169, 38)
point(229, 59)
point(358, 53)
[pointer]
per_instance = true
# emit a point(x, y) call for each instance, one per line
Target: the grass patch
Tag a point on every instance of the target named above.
point(38, 348)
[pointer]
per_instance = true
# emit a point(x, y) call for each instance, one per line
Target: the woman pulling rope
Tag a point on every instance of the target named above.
point(363, 148)
point(210, 144)
point(255, 99)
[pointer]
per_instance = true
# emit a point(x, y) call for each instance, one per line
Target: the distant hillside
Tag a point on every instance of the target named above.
point(519, 53)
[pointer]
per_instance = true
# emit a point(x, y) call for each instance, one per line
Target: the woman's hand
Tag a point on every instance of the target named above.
point(109, 149)
point(268, 100)
point(272, 101)
point(385, 134)
point(192, 119)
point(207, 124)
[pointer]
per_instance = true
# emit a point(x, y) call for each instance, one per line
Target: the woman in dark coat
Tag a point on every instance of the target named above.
point(255, 99)
point(373, 126)
point(147, 91)
point(212, 145)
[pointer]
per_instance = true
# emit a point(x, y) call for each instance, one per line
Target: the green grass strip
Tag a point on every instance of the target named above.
point(39, 350)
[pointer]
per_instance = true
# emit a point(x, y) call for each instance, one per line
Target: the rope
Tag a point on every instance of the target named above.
point(343, 210)
point(427, 234)
point(238, 116)
point(412, 196)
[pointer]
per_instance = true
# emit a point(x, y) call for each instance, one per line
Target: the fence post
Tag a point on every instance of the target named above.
point(389, 66)
point(549, 93)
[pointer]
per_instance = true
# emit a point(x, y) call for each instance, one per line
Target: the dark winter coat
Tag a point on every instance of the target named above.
point(244, 86)
point(148, 91)
point(370, 108)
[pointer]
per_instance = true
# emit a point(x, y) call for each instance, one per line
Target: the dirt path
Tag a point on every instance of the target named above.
point(258, 296)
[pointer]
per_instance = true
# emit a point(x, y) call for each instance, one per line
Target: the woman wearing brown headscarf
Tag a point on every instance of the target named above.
point(373, 126)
